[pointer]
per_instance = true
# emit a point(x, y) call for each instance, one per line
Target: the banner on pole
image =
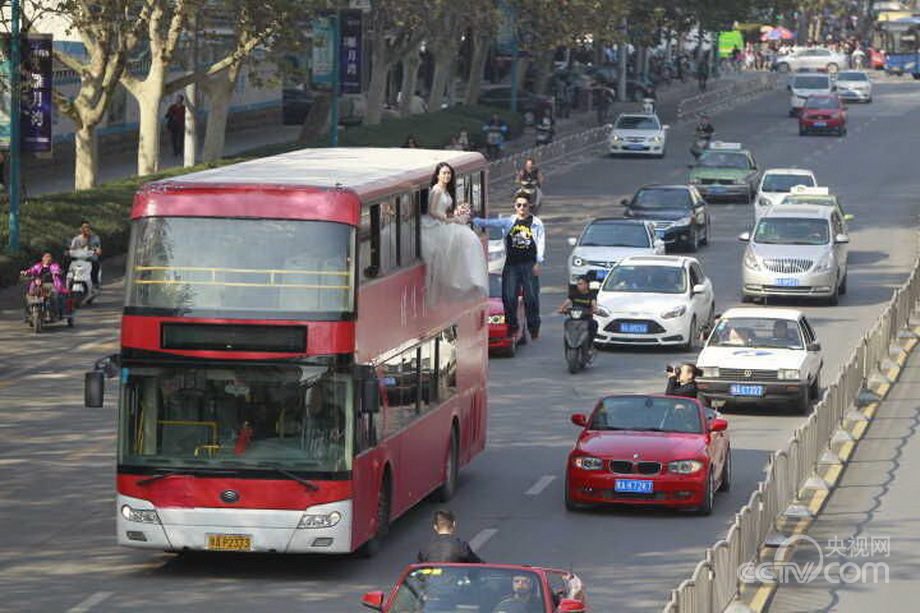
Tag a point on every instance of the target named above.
point(323, 59)
point(352, 52)
point(6, 100)
point(35, 112)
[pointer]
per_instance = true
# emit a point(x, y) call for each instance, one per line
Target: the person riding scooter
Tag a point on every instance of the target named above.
point(580, 307)
point(495, 131)
point(85, 250)
point(530, 181)
point(703, 136)
point(545, 130)
point(48, 273)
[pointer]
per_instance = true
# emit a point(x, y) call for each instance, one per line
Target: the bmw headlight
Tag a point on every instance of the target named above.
point(788, 374)
point(675, 312)
point(577, 261)
point(825, 263)
point(496, 319)
point(320, 520)
point(750, 260)
point(685, 467)
point(589, 463)
point(141, 516)
point(711, 372)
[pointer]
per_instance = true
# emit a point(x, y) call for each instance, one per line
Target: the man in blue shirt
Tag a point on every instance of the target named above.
point(525, 243)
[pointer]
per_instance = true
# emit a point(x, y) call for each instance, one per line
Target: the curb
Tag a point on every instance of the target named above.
point(814, 494)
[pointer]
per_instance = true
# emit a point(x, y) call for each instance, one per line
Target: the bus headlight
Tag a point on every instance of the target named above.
point(141, 516)
point(321, 520)
point(496, 319)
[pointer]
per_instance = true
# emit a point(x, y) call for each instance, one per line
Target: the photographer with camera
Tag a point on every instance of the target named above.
point(682, 381)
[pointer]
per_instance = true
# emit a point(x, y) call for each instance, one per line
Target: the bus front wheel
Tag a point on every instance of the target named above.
point(451, 469)
point(373, 546)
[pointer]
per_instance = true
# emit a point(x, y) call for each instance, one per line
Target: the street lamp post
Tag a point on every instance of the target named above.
point(15, 127)
point(336, 81)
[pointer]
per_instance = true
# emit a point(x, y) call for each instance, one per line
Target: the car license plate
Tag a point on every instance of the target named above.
point(633, 485)
point(635, 147)
point(634, 328)
point(786, 282)
point(745, 390)
point(820, 124)
point(716, 189)
point(229, 542)
point(600, 274)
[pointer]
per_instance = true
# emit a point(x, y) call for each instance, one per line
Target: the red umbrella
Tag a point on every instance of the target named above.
point(779, 33)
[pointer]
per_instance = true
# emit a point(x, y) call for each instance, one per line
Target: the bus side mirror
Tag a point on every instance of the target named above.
point(370, 396)
point(94, 389)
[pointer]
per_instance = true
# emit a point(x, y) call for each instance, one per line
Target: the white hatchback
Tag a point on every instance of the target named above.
point(777, 183)
point(655, 300)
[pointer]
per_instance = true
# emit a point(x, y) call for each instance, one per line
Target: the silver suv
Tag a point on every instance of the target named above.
point(796, 250)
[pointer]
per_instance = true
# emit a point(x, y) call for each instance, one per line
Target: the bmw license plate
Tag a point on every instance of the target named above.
point(737, 389)
point(634, 328)
point(820, 124)
point(636, 486)
point(787, 282)
point(601, 274)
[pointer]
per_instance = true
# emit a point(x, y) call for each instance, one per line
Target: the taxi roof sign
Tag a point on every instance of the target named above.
point(720, 145)
point(804, 190)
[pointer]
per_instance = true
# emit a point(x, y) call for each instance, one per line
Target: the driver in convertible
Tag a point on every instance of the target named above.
point(524, 597)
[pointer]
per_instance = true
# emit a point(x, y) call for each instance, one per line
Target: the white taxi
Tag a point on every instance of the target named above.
point(655, 300)
point(777, 183)
point(761, 357)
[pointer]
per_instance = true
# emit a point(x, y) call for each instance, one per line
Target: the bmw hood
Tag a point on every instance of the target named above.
point(651, 446)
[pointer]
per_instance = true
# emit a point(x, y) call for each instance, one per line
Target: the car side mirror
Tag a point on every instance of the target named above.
point(624, 202)
point(815, 346)
point(572, 241)
point(580, 419)
point(594, 285)
point(841, 238)
point(570, 605)
point(94, 389)
point(699, 288)
point(373, 600)
point(718, 425)
point(370, 395)
point(849, 217)
point(744, 237)
point(666, 127)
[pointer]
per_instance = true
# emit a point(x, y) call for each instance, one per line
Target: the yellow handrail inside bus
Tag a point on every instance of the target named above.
point(245, 270)
point(209, 448)
point(284, 285)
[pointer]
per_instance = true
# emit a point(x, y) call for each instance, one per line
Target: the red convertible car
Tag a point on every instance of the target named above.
point(649, 450)
point(500, 339)
point(487, 588)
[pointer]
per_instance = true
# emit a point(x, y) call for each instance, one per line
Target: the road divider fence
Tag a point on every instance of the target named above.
point(718, 99)
point(793, 471)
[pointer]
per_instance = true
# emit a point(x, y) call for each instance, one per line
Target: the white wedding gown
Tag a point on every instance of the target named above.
point(454, 255)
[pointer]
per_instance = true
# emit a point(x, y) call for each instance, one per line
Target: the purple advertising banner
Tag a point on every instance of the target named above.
point(36, 93)
point(352, 50)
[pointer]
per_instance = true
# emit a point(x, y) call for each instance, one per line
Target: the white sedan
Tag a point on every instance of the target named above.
point(638, 134)
point(655, 300)
point(607, 240)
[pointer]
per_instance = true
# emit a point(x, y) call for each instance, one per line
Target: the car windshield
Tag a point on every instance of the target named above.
point(792, 231)
point(821, 102)
point(814, 82)
point(495, 286)
point(608, 234)
point(647, 413)
point(495, 233)
point(775, 182)
point(723, 159)
point(270, 268)
point(646, 279)
point(768, 332)
point(452, 589)
point(631, 122)
point(652, 198)
point(228, 415)
point(852, 76)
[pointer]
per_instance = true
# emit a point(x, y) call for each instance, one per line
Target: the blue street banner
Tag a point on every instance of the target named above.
point(36, 93)
point(5, 97)
point(323, 49)
point(352, 52)
point(506, 39)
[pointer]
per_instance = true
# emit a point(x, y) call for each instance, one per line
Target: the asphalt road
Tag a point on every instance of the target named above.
point(56, 497)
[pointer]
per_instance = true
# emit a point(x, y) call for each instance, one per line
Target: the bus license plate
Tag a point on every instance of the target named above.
point(745, 390)
point(634, 328)
point(787, 282)
point(633, 485)
point(229, 542)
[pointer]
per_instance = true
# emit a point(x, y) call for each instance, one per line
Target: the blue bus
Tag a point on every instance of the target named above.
point(902, 45)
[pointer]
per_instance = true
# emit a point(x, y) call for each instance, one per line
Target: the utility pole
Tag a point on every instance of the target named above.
point(191, 105)
point(15, 126)
point(336, 80)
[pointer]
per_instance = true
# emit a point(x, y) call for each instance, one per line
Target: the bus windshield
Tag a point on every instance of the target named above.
point(293, 416)
point(206, 266)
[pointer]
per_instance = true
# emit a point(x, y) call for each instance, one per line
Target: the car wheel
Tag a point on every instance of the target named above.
point(705, 240)
point(693, 243)
point(805, 400)
point(726, 480)
point(708, 497)
point(451, 470)
point(525, 337)
point(816, 389)
point(511, 350)
point(843, 285)
point(693, 336)
point(843, 131)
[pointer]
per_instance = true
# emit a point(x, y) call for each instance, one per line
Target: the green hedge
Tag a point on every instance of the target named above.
point(49, 222)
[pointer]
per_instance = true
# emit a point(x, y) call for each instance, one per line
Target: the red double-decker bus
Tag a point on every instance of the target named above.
point(285, 385)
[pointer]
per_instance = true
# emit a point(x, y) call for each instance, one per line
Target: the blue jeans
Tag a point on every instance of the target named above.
point(516, 279)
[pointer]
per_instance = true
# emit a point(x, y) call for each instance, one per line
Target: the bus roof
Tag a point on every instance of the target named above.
point(369, 172)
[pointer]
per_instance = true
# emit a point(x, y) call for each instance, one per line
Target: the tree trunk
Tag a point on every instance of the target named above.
point(220, 93)
point(410, 64)
point(622, 52)
point(376, 89)
point(148, 145)
point(86, 157)
point(477, 68)
point(443, 62)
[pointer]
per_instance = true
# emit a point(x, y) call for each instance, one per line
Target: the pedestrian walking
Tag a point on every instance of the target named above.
point(525, 243)
point(445, 546)
point(702, 73)
point(175, 124)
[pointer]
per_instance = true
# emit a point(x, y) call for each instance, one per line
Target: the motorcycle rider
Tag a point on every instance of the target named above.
point(704, 128)
point(47, 271)
point(495, 131)
point(531, 178)
point(583, 297)
point(87, 240)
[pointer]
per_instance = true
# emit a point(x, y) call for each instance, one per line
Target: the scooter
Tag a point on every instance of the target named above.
point(80, 277)
point(41, 308)
point(700, 144)
point(544, 134)
point(579, 351)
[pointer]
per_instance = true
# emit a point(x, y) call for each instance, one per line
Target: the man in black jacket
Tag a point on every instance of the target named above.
point(683, 382)
point(444, 546)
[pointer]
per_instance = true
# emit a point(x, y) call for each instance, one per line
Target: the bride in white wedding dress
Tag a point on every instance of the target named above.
point(456, 260)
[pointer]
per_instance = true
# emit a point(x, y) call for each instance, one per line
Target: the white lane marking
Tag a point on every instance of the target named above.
point(542, 483)
point(90, 602)
point(482, 538)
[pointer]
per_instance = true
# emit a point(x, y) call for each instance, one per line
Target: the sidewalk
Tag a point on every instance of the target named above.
point(870, 526)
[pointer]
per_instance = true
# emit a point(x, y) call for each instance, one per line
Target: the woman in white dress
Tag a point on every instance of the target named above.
point(455, 257)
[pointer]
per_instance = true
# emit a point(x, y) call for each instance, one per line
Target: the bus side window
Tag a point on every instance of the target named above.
point(389, 235)
point(447, 363)
point(408, 229)
point(477, 189)
point(368, 247)
point(428, 382)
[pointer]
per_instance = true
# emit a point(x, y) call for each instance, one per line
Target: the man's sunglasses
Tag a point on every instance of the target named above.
point(519, 205)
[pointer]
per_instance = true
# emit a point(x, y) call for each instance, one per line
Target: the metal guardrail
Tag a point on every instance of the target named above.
point(720, 98)
point(714, 582)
